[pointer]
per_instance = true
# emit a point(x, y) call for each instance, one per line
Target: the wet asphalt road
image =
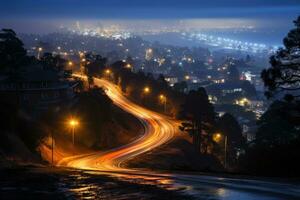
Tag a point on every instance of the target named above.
point(45, 183)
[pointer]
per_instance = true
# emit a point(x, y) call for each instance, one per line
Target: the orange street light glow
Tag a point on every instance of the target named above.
point(128, 65)
point(70, 63)
point(146, 89)
point(107, 71)
point(73, 123)
point(162, 96)
point(217, 137)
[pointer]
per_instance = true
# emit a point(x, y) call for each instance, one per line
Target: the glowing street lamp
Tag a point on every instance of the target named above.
point(146, 90)
point(128, 66)
point(40, 49)
point(217, 137)
point(70, 63)
point(163, 99)
point(107, 72)
point(73, 124)
point(187, 77)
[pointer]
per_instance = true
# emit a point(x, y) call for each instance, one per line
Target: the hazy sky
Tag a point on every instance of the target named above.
point(146, 8)
point(46, 14)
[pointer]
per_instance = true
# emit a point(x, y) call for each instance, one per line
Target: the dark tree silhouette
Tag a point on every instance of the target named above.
point(199, 115)
point(94, 66)
point(279, 124)
point(53, 62)
point(275, 151)
point(284, 75)
point(12, 53)
point(228, 126)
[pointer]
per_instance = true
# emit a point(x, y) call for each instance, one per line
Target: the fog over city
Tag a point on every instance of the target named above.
point(252, 21)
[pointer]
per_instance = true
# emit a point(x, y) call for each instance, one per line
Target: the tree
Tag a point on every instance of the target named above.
point(12, 53)
point(95, 64)
point(230, 128)
point(283, 75)
point(279, 124)
point(275, 151)
point(53, 62)
point(199, 115)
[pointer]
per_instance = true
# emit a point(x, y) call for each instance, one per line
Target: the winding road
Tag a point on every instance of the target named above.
point(160, 129)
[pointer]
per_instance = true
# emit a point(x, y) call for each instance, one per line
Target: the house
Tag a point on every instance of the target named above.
point(37, 88)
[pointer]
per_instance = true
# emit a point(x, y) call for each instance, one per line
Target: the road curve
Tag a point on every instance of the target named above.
point(159, 129)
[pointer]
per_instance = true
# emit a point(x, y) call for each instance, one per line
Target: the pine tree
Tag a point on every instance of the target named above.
point(284, 74)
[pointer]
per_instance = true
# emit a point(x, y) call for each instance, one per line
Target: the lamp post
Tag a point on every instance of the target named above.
point(73, 123)
point(107, 71)
point(225, 152)
point(163, 99)
point(146, 91)
point(40, 49)
point(108, 74)
point(217, 138)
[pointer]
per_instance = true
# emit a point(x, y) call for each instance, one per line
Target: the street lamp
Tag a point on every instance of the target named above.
point(146, 90)
point(128, 66)
point(187, 77)
point(40, 49)
point(70, 63)
point(107, 72)
point(217, 137)
point(163, 99)
point(73, 124)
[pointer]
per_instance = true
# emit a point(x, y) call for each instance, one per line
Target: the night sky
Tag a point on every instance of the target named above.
point(146, 8)
point(18, 12)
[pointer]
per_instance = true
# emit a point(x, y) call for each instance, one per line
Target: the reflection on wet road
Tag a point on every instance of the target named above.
point(179, 187)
